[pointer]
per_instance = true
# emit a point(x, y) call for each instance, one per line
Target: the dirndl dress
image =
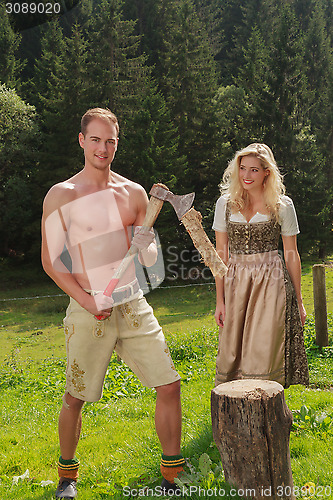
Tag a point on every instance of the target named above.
point(262, 335)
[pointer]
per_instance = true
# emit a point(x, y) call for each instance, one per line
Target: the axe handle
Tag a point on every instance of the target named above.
point(153, 209)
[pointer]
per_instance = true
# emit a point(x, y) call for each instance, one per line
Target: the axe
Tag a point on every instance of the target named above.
point(192, 222)
point(159, 193)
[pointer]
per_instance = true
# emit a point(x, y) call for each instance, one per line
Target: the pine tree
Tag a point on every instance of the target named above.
point(233, 114)
point(208, 12)
point(318, 60)
point(73, 104)
point(186, 75)
point(253, 79)
point(10, 66)
point(46, 84)
point(228, 18)
point(290, 134)
point(144, 13)
point(149, 152)
point(149, 148)
point(327, 7)
point(278, 96)
point(64, 101)
point(275, 83)
point(46, 94)
point(119, 74)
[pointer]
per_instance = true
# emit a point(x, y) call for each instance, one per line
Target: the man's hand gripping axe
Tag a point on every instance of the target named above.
point(159, 193)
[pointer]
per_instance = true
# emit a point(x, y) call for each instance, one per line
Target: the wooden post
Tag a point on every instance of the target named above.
point(320, 308)
point(251, 428)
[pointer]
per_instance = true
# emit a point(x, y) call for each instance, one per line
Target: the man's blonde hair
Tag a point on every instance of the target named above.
point(273, 183)
point(101, 113)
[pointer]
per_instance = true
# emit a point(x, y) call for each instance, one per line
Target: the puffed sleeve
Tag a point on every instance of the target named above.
point(219, 223)
point(288, 217)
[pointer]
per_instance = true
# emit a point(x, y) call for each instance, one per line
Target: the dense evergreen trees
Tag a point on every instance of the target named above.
point(10, 65)
point(191, 81)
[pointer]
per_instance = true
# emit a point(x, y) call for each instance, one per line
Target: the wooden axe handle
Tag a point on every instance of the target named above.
point(153, 209)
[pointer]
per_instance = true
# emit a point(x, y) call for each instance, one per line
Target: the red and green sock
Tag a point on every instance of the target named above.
point(69, 468)
point(171, 465)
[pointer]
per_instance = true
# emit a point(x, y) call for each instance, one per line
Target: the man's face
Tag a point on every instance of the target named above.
point(99, 143)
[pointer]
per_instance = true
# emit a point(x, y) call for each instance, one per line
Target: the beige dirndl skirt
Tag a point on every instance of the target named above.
point(262, 336)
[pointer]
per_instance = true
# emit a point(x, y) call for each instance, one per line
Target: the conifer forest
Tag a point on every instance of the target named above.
point(191, 82)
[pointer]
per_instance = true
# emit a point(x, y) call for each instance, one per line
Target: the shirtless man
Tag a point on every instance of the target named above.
point(92, 215)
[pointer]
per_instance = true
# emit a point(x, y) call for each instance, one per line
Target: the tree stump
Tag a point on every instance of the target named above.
point(251, 428)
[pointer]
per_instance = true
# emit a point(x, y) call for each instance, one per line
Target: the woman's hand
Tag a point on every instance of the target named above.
point(220, 313)
point(293, 264)
point(302, 312)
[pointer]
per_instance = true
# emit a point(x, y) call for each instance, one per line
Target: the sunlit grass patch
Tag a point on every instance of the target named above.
point(118, 443)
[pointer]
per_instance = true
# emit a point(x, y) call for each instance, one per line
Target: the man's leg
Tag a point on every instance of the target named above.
point(70, 420)
point(168, 427)
point(168, 417)
point(143, 348)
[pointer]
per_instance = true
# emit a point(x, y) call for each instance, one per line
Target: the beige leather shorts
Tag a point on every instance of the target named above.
point(132, 331)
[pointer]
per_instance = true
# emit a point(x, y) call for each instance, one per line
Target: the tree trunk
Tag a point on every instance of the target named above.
point(251, 428)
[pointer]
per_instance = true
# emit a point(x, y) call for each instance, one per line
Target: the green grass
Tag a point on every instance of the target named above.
point(118, 442)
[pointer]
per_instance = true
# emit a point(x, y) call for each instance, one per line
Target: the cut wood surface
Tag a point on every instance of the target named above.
point(251, 428)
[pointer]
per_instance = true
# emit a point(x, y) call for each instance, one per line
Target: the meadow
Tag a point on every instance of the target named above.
point(119, 449)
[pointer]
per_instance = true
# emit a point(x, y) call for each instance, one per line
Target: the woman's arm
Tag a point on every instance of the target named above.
point(293, 263)
point(222, 250)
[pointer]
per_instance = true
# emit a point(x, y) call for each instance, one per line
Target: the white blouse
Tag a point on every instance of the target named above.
point(287, 217)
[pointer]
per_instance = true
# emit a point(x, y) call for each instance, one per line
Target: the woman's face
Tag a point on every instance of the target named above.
point(251, 173)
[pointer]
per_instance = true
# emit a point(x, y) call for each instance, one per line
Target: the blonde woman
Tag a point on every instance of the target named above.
point(259, 306)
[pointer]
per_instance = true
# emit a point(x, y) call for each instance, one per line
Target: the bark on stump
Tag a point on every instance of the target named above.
point(251, 428)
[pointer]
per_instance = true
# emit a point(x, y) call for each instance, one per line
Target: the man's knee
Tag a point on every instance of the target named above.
point(169, 390)
point(71, 403)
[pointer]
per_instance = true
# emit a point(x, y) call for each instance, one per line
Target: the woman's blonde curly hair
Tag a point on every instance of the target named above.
point(273, 183)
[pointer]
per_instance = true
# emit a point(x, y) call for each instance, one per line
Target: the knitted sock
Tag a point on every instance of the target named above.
point(69, 468)
point(171, 465)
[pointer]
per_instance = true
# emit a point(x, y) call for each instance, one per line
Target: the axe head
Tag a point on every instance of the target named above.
point(181, 203)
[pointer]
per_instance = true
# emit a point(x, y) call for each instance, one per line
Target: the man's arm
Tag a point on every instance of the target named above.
point(53, 242)
point(145, 240)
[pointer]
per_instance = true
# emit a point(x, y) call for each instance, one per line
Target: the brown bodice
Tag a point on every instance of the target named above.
point(249, 238)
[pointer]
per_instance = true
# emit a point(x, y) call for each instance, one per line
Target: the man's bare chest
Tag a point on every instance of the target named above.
point(97, 214)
